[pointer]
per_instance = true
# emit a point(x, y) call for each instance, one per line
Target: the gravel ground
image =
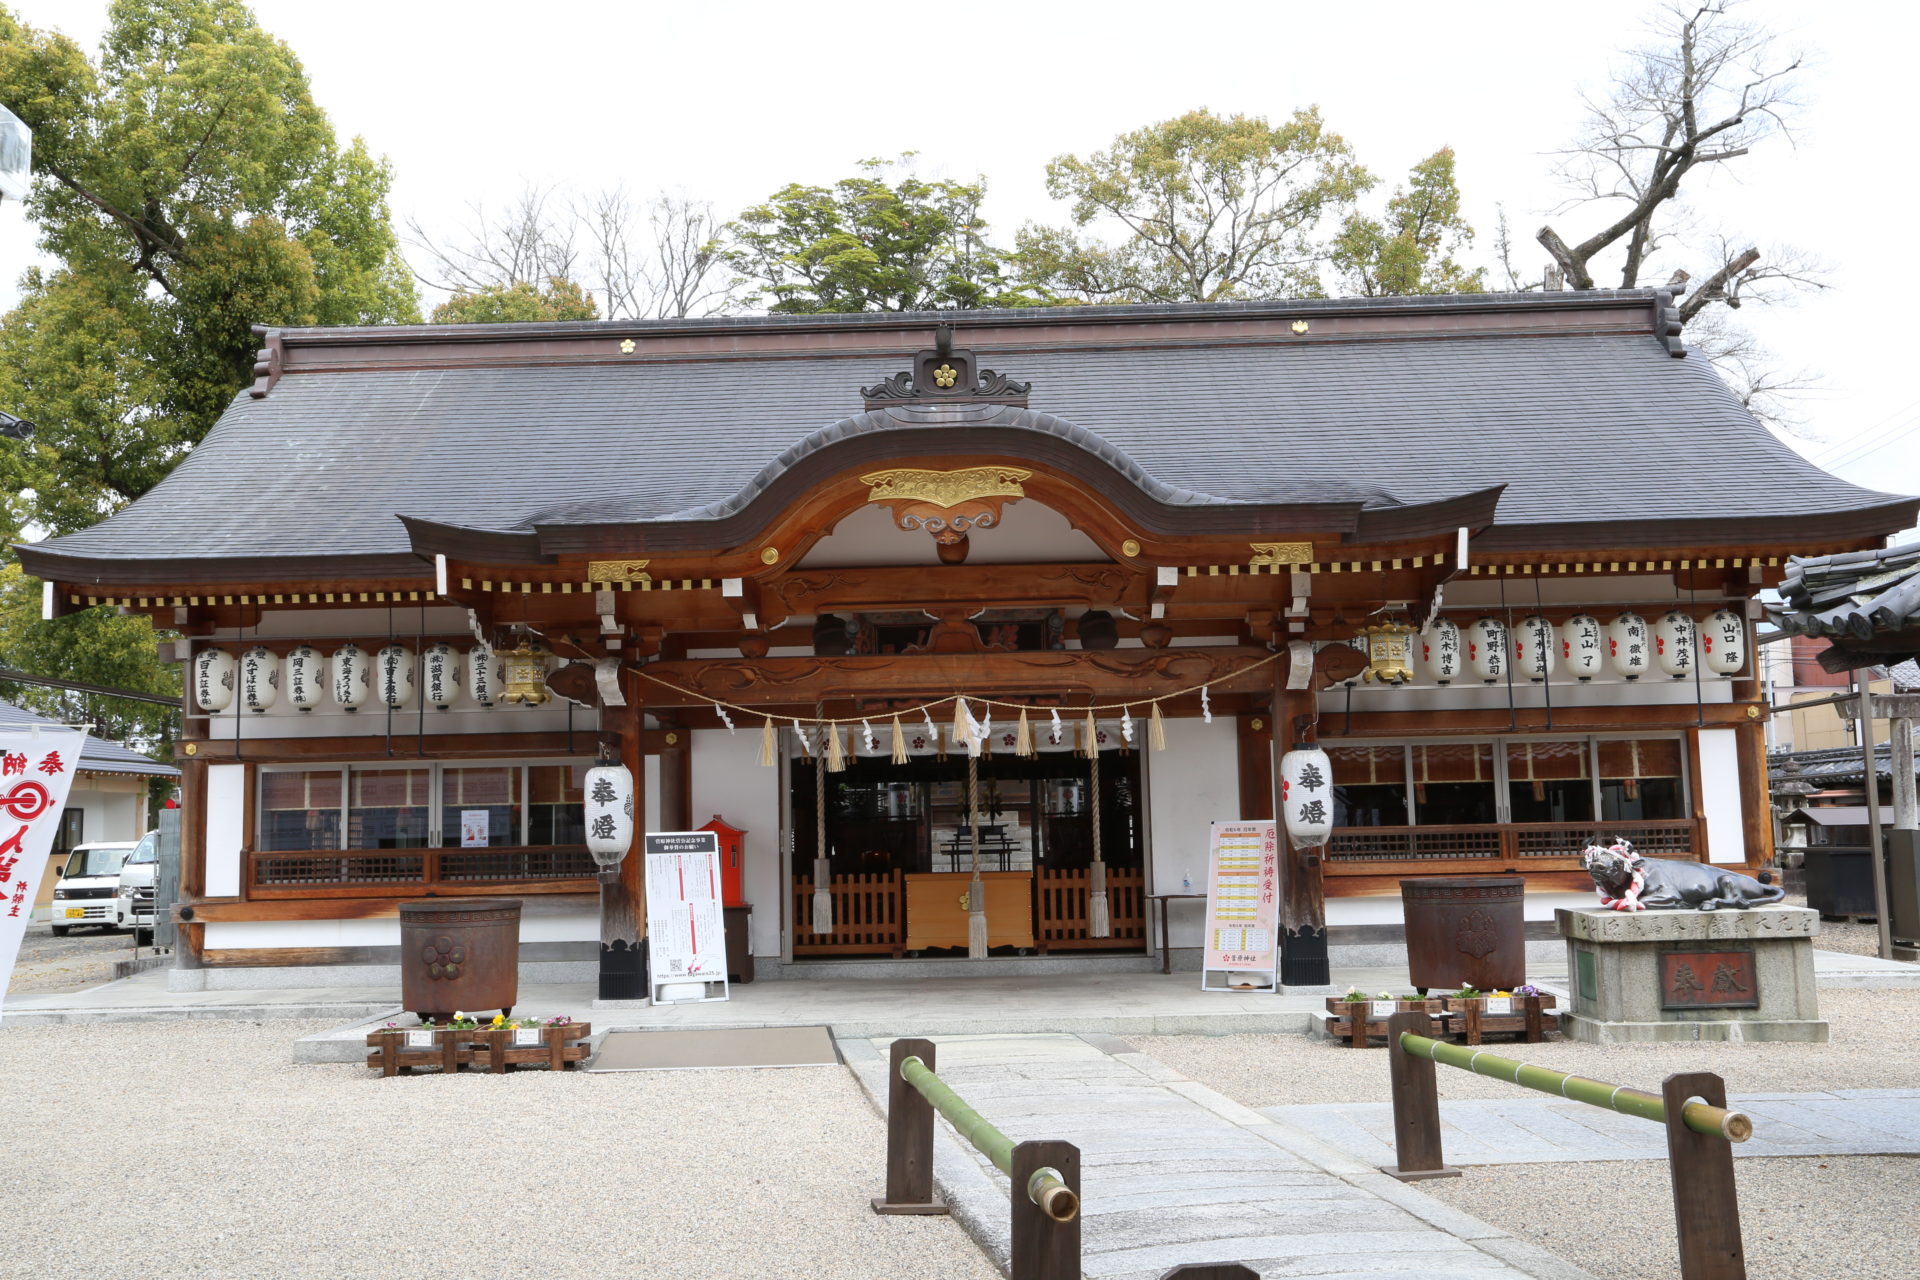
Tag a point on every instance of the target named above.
point(83, 959)
point(1842, 935)
point(1876, 1045)
point(196, 1149)
point(1800, 1219)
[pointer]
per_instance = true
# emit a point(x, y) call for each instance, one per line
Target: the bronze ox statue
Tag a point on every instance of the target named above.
point(1628, 882)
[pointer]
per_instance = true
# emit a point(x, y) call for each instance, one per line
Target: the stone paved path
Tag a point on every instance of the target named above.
point(1536, 1130)
point(1174, 1173)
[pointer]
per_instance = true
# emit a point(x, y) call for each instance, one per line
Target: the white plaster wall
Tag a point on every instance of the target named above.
point(651, 798)
point(1720, 796)
point(1384, 908)
point(226, 814)
point(727, 783)
point(1191, 785)
point(110, 814)
point(570, 923)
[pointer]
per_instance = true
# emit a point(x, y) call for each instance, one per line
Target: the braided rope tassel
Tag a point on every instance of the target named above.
point(822, 860)
point(976, 889)
point(1099, 915)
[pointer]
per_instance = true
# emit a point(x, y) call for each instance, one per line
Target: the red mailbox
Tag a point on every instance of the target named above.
point(732, 839)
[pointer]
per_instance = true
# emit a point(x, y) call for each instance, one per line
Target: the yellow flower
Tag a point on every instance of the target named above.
point(458, 1014)
point(499, 1019)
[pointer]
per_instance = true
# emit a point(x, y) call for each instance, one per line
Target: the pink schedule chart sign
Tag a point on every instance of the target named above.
point(686, 933)
point(1243, 903)
point(36, 769)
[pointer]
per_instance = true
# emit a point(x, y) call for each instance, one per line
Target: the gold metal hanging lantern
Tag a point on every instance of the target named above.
point(1389, 653)
point(526, 674)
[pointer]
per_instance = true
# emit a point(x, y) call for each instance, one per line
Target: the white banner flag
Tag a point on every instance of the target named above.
point(35, 771)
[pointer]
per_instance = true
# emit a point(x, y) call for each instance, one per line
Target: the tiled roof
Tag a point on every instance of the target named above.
point(102, 755)
point(1579, 427)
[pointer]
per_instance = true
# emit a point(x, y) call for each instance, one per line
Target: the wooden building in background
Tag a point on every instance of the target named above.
point(850, 516)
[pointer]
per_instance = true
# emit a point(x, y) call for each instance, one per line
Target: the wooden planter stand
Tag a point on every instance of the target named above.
point(486, 1048)
point(1356, 1020)
point(1468, 1019)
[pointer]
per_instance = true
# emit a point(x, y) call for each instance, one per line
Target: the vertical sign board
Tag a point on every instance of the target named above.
point(686, 938)
point(1243, 906)
point(36, 768)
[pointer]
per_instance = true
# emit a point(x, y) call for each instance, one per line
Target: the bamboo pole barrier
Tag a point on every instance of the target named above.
point(1046, 1188)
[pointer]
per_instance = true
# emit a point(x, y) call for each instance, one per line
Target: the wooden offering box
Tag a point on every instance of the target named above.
point(1469, 1019)
point(1355, 1020)
point(396, 1052)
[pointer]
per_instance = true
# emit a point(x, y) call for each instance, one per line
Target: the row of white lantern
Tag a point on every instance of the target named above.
point(389, 676)
point(1632, 646)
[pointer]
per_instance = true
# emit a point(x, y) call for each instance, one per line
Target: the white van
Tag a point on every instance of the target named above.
point(133, 901)
point(88, 884)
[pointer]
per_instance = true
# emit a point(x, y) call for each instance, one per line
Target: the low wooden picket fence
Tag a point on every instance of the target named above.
point(869, 916)
point(1060, 918)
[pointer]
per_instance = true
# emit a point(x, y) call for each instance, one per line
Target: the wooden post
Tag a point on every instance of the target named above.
point(676, 779)
point(1044, 1249)
point(1416, 1105)
point(1303, 902)
point(1255, 743)
point(1473, 1034)
point(909, 1137)
point(1212, 1271)
point(1876, 842)
point(623, 919)
point(1706, 1207)
point(1536, 1024)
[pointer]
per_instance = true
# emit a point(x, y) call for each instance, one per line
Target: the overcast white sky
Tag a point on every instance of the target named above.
point(729, 102)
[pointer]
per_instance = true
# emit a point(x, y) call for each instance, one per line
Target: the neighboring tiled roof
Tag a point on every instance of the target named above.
point(103, 755)
point(1579, 426)
point(1830, 765)
point(1867, 601)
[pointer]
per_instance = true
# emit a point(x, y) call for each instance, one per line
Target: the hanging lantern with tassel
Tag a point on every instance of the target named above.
point(1724, 641)
point(484, 676)
point(393, 671)
point(1533, 648)
point(1388, 650)
point(1306, 788)
point(1583, 646)
point(1673, 644)
point(525, 666)
point(213, 679)
point(442, 664)
point(259, 679)
point(1440, 652)
point(352, 676)
point(1487, 649)
point(1630, 645)
point(609, 810)
point(304, 677)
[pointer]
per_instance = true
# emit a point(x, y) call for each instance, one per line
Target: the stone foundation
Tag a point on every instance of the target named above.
point(1691, 975)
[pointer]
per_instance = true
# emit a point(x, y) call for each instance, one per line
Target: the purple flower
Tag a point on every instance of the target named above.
point(1526, 989)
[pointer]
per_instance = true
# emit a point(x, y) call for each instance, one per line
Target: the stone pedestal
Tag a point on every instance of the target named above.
point(1691, 975)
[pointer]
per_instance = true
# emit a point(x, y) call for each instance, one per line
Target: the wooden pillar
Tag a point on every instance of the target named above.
point(676, 778)
point(1256, 767)
point(190, 946)
point(623, 899)
point(1303, 902)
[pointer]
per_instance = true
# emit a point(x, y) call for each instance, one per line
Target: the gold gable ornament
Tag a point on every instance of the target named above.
point(947, 504)
point(1280, 553)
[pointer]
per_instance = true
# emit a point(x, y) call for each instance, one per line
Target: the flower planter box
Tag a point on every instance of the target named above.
point(1356, 1020)
point(1469, 1019)
point(396, 1052)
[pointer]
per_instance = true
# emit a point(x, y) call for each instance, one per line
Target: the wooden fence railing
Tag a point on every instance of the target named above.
point(362, 873)
point(1060, 918)
point(869, 916)
point(1536, 845)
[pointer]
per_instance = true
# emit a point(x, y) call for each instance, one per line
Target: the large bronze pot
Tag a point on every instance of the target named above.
point(1466, 930)
point(459, 955)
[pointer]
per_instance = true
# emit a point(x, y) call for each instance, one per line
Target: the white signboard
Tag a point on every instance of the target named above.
point(686, 937)
point(16, 155)
point(35, 772)
point(473, 828)
point(1243, 906)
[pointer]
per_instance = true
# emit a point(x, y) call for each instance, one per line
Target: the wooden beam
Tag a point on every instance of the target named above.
point(432, 746)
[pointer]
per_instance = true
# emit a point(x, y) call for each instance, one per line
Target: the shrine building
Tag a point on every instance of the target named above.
point(1497, 554)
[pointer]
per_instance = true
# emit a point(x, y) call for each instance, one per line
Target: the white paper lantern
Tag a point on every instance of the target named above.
point(1724, 642)
point(1440, 652)
point(213, 679)
point(1630, 645)
point(393, 674)
point(609, 806)
point(442, 663)
point(1674, 644)
point(484, 676)
point(259, 678)
point(1306, 788)
point(1487, 649)
point(1583, 647)
point(305, 678)
point(1533, 648)
point(352, 676)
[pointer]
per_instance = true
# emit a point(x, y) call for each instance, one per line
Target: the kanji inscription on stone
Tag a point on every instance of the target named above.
point(1708, 980)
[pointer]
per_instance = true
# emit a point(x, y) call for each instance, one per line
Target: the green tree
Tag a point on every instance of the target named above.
point(562, 299)
point(188, 187)
point(1215, 209)
point(866, 245)
point(1411, 250)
